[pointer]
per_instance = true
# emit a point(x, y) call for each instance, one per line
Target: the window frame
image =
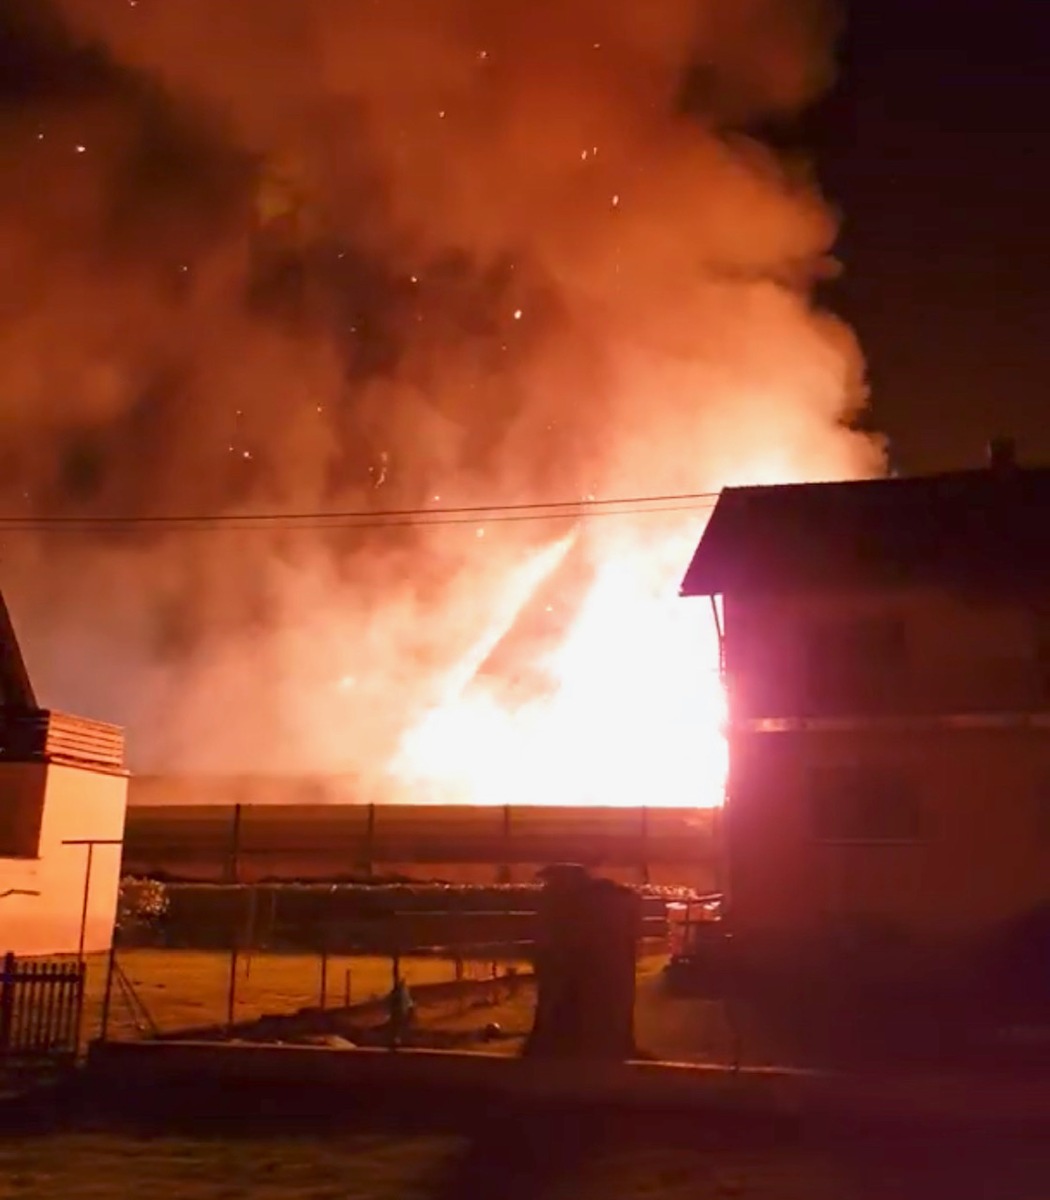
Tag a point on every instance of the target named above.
point(869, 659)
point(891, 776)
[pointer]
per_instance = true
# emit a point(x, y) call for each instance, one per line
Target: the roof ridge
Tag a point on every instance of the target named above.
point(966, 524)
point(931, 477)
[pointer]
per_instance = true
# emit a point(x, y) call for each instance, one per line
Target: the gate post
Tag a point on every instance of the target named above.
point(586, 955)
point(7, 1001)
point(78, 1019)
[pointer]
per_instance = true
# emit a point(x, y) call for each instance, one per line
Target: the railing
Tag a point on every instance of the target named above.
point(40, 1008)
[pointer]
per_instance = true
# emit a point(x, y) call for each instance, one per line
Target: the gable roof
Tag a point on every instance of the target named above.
point(968, 527)
point(16, 689)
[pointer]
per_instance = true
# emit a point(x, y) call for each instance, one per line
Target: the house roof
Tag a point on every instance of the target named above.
point(967, 528)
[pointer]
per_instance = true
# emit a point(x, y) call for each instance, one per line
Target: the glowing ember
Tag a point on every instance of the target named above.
point(634, 713)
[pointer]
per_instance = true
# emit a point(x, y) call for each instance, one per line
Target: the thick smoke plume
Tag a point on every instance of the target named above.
point(299, 255)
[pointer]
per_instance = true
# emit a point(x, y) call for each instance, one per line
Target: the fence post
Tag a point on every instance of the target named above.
point(460, 975)
point(503, 871)
point(87, 897)
point(78, 1018)
point(231, 996)
point(234, 874)
point(645, 845)
point(396, 1016)
point(250, 936)
point(233, 866)
point(7, 1001)
point(107, 995)
point(370, 837)
point(324, 978)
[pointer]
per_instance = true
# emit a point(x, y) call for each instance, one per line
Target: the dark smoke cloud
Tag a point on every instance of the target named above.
point(273, 255)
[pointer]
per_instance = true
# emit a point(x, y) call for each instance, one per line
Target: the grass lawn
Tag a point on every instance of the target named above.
point(676, 1030)
point(514, 1014)
point(566, 1158)
point(187, 988)
point(105, 1166)
point(112, 1167)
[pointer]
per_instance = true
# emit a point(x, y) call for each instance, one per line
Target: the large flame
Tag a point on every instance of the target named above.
point(634, 711)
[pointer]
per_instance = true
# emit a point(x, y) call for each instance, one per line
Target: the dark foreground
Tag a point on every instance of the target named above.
point(294, 1147)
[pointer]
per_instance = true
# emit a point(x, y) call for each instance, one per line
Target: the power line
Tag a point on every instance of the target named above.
point(67, 528)
point(375, 518)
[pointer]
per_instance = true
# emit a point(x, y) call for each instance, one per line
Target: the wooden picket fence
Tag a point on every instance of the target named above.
point(40, 1009)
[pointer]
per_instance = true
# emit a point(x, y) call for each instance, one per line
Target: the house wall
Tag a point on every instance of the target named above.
point(981, 856)
point(980, 784)
point(961, 654)
point(66, 803)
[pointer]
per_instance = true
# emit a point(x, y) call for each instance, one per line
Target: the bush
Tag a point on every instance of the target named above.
point(142, 905)
point(339, 918)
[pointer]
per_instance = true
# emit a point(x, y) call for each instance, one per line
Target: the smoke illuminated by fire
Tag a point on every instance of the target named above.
point(272, 256)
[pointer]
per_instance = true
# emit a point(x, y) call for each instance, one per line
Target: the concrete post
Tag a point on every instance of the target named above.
point(586, 956)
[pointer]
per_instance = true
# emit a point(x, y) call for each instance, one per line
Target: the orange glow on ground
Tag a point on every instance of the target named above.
point(635, 715)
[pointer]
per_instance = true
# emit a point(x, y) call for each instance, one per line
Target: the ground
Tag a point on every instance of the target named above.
point(557, 1158)
point(227, 1149)
point(188, 988)
point(387, 1167)
point(181, 989)
point(109, 1166)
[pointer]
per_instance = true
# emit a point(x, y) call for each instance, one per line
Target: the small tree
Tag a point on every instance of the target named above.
point(141, 907)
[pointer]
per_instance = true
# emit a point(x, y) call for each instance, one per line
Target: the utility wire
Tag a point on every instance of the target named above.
point(129, 528)
point(376, 518)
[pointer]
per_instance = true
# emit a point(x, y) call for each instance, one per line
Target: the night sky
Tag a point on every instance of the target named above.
point(934, 147)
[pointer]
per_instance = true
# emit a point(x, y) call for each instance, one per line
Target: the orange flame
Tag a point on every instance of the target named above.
point(636, 714)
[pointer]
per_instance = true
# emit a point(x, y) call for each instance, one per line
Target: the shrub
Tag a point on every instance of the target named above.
point(142, 905)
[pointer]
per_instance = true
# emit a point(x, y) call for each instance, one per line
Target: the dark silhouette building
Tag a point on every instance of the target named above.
point(886, 647)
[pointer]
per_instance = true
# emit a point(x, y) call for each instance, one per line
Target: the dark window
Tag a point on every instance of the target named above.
point(864, 804)
point(854, 666)
point(9, 829)
point(19, 827)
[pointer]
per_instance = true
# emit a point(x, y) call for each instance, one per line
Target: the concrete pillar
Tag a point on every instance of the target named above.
point(586, 956)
